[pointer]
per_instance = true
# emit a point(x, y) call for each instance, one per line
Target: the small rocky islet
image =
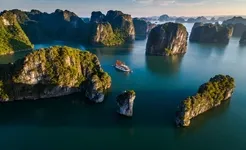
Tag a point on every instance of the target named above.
point(167, 39)
point(59, 71)
point(238, 24)
point(209, 95)
point(125, 103)
point(210, 33)
point(115, 28)
point(141, 28)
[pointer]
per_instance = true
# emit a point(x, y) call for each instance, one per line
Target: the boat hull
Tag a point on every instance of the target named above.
point(122, 69)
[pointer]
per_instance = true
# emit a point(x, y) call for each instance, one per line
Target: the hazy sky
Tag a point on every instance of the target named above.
point(134, 7)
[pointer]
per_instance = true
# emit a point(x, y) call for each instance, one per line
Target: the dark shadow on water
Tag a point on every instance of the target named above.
point(98, 50)
point(140, 37)
point(206, 49)
point(151, 109)
point(200, 121)
point(5, 59)
point(60, 43)
point(73, 110)
point(164, 65)
point(125, 49)
point(241, 49)
point(242, 46)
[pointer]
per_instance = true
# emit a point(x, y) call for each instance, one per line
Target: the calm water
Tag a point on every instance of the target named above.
point(160, 83)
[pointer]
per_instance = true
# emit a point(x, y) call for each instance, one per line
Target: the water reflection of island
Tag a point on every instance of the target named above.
point(114, 50)
point(207, 49)
point(162, 65)
point(5, 59)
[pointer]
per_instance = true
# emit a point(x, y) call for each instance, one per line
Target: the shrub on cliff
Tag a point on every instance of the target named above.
point(54, 71)
point(12, 37)
point(209, 95)
point(103, 34)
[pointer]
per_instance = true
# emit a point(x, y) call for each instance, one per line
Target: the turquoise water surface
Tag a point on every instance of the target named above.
point(160, 84)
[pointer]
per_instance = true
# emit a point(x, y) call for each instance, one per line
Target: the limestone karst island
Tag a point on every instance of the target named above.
point(130, 74)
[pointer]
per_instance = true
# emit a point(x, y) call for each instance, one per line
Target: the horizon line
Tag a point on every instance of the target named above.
point(217, 15)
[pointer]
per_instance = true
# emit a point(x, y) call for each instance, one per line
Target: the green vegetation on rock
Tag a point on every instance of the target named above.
point(3, 95)
point(103, 34)
point(132, 92)
point(56, 71)
point(210, 94)
point(126, 95)
point(114, 29)
point(116, 38)
point(168, 52)
point(12, 37)
point(63, 66)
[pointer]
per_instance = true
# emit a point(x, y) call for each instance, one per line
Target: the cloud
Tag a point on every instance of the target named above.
point(164, 3)
point(172, 2)
point(143, 1)
point(155, 2)
point(190, 2)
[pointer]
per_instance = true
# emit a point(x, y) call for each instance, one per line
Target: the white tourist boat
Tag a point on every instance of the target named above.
point(121, 66)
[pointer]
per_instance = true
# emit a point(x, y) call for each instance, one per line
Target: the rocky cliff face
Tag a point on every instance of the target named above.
point(123, 23)
point(210, 95)
point(125, 103)
point(103, 34)
point(243, 39)
point(191, 20)
point(202, 19)
point(141, 28)
point(113, 29)
point(12, 37)
point(164, 18)
point(59, 25)
point(210, 33)
point(238, 29)
point(167, 39)
point(96, 86)
point(52, 72)
point(67, 26)
point(150, 26)
point(235, 20)
point(212, 20)
point(238, 24)
point(97, 16)
point(180, 20)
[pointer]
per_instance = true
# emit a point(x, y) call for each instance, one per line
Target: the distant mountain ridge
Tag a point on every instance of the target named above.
point(59, 25)
point(19, 29)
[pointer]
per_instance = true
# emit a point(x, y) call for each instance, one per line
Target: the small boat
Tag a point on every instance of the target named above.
point(121, 66)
